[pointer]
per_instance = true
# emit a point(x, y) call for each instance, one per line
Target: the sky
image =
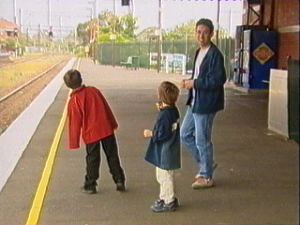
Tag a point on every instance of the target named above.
point(68, 13)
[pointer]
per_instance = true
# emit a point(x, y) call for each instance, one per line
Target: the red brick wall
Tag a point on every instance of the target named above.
point(288, 46)
point(286, 14)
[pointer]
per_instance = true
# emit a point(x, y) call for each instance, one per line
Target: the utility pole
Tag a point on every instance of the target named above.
point(230, 54)
point(114, 7)
point(113, 36)
point(230, 21)
point(20, 19)
point(132, 8)
point(159, 36)
point(75, 36)
point(94, 8)
point(218, 22)
point(60, 28)
point(92, 13)
point(186, 49)
point(39, 34)
point(27, 35)
point(29, 31)
point(15, 11)
point(49, 14)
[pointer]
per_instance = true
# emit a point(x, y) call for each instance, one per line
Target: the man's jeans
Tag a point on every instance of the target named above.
point(195, 134)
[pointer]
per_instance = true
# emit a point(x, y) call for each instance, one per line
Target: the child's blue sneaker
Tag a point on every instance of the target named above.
point(161, 206)
point(158, 202)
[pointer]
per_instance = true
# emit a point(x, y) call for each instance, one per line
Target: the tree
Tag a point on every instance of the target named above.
point(109, 24)
point(123, 27)
point(82, 33)
point(129, 26)
point(180, 32)
point(146, 34)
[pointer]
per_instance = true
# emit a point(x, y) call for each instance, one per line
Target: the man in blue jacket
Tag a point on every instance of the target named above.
point(205, 99)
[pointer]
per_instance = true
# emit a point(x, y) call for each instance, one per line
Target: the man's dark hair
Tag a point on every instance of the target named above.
point(206, 22)
point(73, 79)
point(168, 92)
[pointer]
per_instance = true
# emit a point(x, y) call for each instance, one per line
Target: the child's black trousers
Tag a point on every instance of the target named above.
point(93, 158)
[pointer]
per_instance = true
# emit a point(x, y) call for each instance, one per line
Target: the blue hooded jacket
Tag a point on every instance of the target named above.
point(164, 147)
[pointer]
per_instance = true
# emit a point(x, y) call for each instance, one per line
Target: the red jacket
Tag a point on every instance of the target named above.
point(89, 115)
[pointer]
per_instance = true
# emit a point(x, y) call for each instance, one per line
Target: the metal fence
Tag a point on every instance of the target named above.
point(118, 54)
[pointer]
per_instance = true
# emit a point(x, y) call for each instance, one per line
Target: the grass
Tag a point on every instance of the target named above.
point(16, 74)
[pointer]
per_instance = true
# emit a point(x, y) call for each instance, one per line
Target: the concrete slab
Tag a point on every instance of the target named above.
point(257, 180)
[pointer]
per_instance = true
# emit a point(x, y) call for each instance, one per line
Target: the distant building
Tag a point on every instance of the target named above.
point(8, 29)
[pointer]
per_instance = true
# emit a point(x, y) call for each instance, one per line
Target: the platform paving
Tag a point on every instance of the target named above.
point(257, 178)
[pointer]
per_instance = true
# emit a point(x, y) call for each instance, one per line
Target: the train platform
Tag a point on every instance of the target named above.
point(257, 178)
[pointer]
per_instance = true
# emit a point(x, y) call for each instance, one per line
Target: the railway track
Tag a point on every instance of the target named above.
point(21, 60)
point(12, 104)
point(28, 83)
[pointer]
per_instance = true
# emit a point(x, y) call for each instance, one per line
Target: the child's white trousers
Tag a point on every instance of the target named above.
point(166, 180)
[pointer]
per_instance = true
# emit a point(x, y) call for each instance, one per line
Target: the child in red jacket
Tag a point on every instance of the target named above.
point(91, 118)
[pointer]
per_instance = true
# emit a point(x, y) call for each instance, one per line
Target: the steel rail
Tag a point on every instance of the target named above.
point(12, 63)
point(28, 82)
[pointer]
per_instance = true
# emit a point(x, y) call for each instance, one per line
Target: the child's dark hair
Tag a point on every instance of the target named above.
point(73, 79)
point(168, 93)
point(206, 22)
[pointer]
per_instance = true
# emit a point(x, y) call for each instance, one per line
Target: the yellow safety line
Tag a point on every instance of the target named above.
point(37, 203)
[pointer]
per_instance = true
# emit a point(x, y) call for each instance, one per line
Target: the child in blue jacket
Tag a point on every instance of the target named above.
point(164, 147)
